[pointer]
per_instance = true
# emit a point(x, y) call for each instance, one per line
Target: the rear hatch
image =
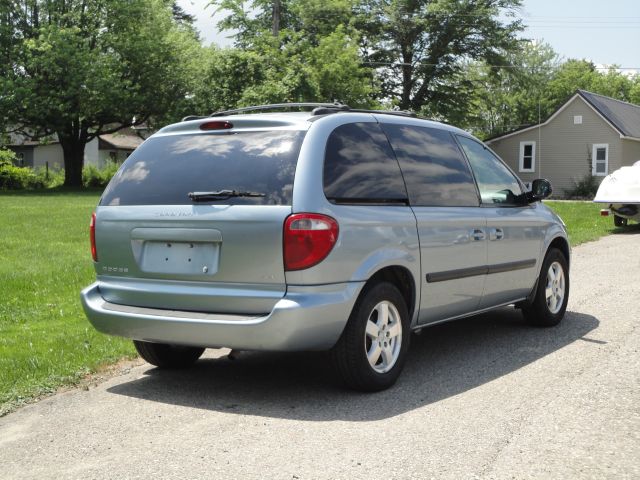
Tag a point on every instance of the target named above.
point(216, 250)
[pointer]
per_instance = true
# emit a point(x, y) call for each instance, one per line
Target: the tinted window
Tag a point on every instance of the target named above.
point(434, 169)
point(496, 183)
point(359, 165)
point(163, 170)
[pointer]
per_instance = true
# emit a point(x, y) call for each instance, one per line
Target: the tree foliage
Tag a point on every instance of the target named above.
point(312, 58)
point(535, 83)
point(79, 69)
point(416, 49)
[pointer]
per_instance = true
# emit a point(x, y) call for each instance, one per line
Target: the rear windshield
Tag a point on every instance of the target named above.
point(163, 170)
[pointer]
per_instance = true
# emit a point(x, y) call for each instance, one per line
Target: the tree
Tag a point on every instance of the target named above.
point(79, 69)
point(513, 95)
point(421, 47)
point(417, 48)
point(312, 57)
point(582, 74)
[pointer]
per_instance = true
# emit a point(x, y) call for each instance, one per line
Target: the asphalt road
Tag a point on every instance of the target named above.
point(486, 397)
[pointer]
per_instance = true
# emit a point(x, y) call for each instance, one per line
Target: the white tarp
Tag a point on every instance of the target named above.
point(622, 186)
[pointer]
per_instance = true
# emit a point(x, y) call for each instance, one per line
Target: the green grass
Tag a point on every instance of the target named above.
point(584, 222)
point(45, 339)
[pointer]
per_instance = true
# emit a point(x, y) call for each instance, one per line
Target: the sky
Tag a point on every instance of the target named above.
point(605, 32)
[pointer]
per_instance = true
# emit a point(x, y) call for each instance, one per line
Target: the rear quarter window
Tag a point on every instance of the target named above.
point(360, 167)
point(163, 170)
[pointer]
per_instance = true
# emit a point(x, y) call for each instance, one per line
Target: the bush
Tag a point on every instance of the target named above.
point(22, 178)
point(51, 178)
point(7, 157)
point(94, 177)
point(587, 188)
point(16, 178)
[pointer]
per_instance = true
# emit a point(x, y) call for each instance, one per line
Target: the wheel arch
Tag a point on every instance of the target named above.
point(561, 244)
point(401, 278)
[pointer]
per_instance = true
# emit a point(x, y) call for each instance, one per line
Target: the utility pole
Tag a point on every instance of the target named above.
point(276, 18)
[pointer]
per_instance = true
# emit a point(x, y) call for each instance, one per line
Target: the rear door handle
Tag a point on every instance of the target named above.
point(496, 234)
point(477, 234)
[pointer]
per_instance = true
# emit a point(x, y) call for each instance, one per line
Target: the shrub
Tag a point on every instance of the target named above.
point(587, 187)
point(16, 178)
point(7, 157)
point(95, 177)
point(51, 178)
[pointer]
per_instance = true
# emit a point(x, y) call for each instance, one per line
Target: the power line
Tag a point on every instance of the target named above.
point(404, 64)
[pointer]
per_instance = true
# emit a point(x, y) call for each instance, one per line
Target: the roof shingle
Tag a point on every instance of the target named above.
point(625, 117)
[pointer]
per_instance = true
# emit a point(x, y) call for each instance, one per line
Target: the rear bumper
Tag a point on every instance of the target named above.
point(307, 318)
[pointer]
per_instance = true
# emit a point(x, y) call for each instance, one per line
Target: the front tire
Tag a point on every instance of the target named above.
point(163, 355)
point(552, 293)
point(373, 347)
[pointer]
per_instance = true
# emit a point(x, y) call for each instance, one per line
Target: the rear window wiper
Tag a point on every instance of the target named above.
point(222, 195)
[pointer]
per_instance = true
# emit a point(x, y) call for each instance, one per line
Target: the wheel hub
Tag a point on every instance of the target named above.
point(383, 337)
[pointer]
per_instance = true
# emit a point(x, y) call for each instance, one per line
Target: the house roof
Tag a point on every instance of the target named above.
point(625, 117)
point(121, 142)
point(621, 116)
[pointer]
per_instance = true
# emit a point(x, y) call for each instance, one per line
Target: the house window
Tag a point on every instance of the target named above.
point(527, 156)
point(577, 119)
point(600, 160)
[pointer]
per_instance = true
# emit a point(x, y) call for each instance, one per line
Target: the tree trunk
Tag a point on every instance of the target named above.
point(73, 149)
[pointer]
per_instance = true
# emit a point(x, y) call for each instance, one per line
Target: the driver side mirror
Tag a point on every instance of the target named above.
point(540, 189)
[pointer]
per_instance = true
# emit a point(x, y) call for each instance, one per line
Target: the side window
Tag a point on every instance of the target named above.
point(360, 167)
point(496, 183)
point(434, 169)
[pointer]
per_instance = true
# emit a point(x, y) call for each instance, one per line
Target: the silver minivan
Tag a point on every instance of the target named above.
point(332, 229)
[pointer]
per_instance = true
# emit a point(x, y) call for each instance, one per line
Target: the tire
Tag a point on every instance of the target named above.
point(552, 292)
point(168, 356)
point(619, 221)
point(368, 324)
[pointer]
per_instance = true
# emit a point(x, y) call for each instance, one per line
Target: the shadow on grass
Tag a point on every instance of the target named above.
point(444, 361)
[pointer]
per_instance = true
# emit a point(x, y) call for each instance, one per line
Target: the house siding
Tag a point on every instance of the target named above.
point(51, 154)
point(563, 149)
point(630, 152)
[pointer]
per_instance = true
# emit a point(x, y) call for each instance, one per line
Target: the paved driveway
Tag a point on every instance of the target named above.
point(486, 397)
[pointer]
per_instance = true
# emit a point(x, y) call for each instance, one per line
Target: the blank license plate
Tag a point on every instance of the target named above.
point(183, 258)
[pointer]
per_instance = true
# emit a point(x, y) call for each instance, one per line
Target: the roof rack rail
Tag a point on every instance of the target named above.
point(318, 109)
point(399, 113)
point(281, 106)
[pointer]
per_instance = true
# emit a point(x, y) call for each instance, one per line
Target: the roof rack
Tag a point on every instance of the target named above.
point(318, 109)
point(281, 106)
point(193, 117)
point(399, 113)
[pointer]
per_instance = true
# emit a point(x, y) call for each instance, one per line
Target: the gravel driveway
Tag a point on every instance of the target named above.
point(485, 397)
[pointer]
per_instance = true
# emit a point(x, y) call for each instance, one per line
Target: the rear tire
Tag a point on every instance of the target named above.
point(373, 347)
point(168, 356)
point(619, 221)
point(552, 292)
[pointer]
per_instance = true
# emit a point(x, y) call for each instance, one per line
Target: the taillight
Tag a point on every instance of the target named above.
point(216, 125)
point(92, 235)
point(308, 239)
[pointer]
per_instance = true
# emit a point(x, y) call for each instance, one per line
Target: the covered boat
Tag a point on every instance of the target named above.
point(621, 191)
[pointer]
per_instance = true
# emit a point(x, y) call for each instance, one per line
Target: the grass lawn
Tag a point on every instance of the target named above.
point(45, 339)
point(584, 222)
